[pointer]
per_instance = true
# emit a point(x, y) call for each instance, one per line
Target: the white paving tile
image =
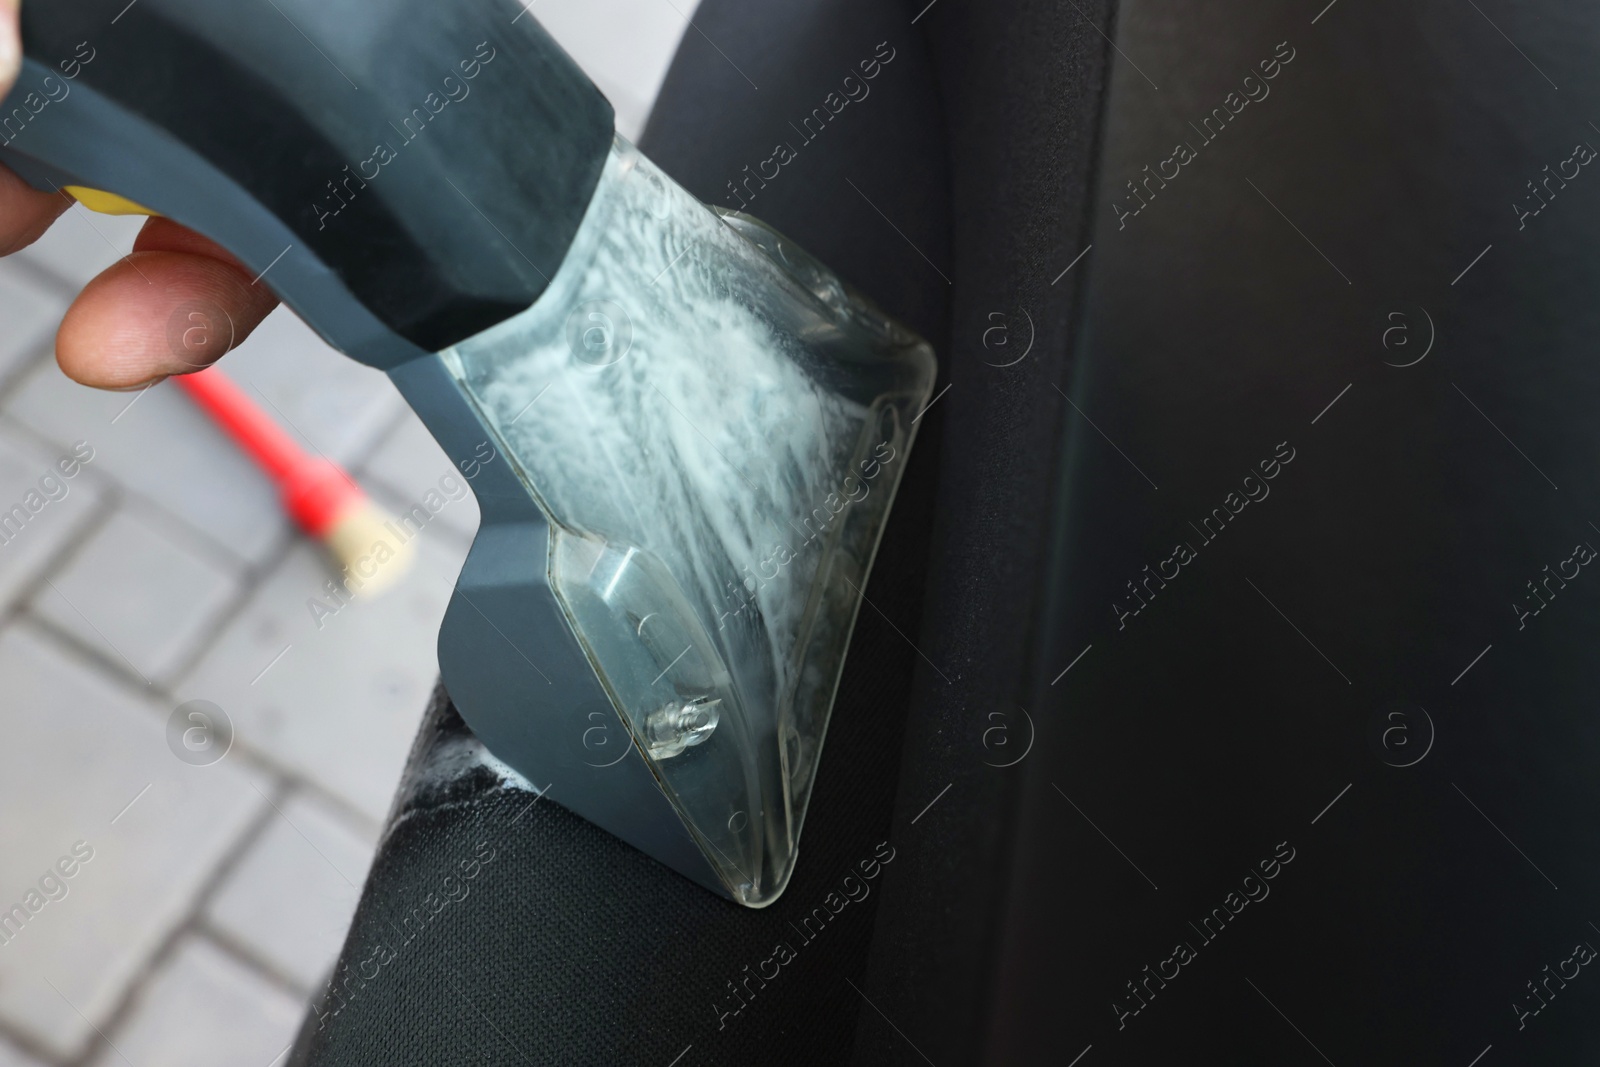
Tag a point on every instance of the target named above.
point(205, 1009)
point(291, 898)
point(159, 445)
point(86, 771)
point(31, 309)
point(53, 507)
point(11, 1057)
point(409, 465)
point(140, 590)
point(339, 704)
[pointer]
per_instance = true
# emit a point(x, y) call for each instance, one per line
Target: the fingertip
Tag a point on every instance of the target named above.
point(156, 314)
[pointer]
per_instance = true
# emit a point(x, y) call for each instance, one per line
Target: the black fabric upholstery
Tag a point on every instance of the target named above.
point(497, 928)
point(1022, 83)
point(1227, 715)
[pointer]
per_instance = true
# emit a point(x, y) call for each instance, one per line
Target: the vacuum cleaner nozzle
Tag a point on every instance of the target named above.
point(684, 433)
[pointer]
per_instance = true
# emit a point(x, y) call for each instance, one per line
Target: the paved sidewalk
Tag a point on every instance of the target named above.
point(176, 914)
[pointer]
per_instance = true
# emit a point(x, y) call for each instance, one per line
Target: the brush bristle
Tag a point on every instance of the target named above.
point(363, 544)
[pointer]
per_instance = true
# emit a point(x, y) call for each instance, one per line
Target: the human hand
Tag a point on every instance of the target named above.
point(116, 333)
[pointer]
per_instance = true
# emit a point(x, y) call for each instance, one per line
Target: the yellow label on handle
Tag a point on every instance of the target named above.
point(107, 203)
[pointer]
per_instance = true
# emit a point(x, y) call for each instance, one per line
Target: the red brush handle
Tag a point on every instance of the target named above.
point(316, 492)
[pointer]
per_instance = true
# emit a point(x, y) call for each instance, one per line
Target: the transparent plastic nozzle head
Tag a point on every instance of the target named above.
point(714, 427)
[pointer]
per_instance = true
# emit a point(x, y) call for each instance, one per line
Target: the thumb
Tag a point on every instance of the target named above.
point(10, 44)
